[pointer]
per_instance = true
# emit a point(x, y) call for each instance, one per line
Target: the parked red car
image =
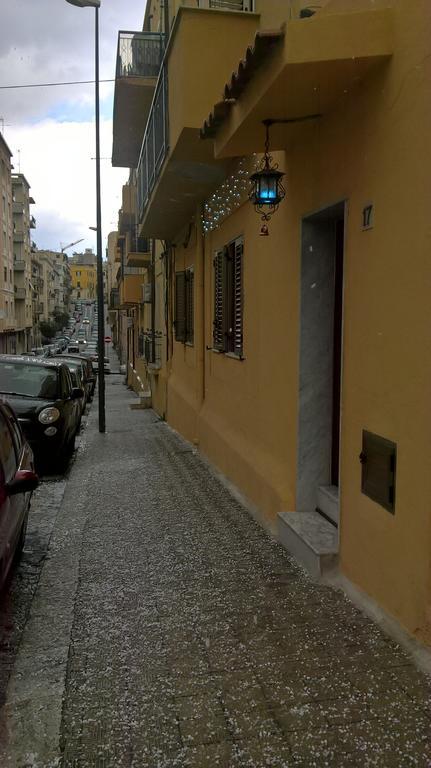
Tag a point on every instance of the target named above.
point(17, 481)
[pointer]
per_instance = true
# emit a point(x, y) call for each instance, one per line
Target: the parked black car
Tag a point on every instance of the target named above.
point(89, 373)
point(17, 481)
point(76, 371)
point(41, 392)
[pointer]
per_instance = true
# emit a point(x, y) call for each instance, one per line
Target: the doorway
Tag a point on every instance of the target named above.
point(321, 324)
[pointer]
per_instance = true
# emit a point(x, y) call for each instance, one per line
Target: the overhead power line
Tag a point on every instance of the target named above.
point(50, 85)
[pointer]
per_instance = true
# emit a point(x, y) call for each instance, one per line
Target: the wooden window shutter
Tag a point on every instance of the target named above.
point(219, 339)
point(180, 306)
point(238, 298)
point(189, 305)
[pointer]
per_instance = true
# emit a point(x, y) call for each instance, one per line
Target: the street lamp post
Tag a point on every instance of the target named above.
point(100, 305)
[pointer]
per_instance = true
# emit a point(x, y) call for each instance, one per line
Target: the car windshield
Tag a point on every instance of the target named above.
point(29, 380)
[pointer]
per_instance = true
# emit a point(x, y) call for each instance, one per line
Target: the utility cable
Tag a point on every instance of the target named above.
point(50, 85)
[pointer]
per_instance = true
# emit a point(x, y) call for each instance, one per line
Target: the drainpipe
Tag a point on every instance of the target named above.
point(153, 298)
point(133, 341)
point(166, 21)
point(201, 289)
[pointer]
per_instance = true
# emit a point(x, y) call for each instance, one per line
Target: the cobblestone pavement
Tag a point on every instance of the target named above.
point(172, 632)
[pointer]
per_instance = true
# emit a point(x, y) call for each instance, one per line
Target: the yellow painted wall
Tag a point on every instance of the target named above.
point(369, 148)
point(205, 51)
point(87, 278)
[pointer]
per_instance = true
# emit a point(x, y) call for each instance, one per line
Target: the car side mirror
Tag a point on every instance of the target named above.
point(23, 482)
point(76, 393)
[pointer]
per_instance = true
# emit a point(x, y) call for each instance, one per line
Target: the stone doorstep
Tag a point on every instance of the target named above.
point(328, 502)
point(145, 401)
point(311, 539)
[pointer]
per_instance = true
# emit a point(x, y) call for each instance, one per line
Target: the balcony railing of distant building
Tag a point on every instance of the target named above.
point(155, 144)
point(114, 299)
point(139, 54)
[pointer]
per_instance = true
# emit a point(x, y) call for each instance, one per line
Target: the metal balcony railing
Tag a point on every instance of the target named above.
point(19, 265)
point(151, 352)
point(139, 54)
point(228, 5)
point(133, 271)
point(155, 144)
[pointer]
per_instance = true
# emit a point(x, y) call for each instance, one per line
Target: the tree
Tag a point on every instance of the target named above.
point(48, 329)
point(60, 318)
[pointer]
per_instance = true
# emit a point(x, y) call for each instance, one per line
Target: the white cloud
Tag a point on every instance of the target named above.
point(49, 41)
point(56, 160)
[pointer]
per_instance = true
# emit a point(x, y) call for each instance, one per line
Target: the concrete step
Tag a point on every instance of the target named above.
point(311, 539)
point(328, 502)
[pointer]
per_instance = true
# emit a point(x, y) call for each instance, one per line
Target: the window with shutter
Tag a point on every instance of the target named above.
point(189, 305)
point(180, 307)
point(219, 301)
point(237, 298)
point(228, 299)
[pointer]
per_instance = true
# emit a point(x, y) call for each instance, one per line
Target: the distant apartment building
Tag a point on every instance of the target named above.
point(60, 284)
point(23, 245)
point(83, 273)
point(7, 299)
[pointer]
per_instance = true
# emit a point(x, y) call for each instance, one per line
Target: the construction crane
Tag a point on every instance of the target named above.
point(65, 247)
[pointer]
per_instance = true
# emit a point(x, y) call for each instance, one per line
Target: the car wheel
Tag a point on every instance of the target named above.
point(71, 445)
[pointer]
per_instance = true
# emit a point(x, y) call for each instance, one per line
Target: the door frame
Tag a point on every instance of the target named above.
point(312, 476)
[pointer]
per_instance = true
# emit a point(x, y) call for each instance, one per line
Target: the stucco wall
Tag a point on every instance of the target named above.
point(370, 148)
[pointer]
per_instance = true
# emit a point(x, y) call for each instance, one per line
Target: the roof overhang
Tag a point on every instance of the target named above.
point(319, 62)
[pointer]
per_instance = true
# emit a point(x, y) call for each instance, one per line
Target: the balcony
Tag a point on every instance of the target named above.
point(20, 294)
point(139, 254)
point(18, 236)
point(114, 299)
point(176, 170)
point(19, 265)
point(17, 207)
point(139, 56)
point(131, 286)
point(32, 222)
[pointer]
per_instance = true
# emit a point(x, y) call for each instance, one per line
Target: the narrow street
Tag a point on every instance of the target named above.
point(152, 623)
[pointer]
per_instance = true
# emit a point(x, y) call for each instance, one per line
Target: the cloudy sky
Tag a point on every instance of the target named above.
point(51, 130)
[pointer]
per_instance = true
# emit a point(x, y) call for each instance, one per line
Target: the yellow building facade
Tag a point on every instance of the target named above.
point(83, 281)
point(299, 362)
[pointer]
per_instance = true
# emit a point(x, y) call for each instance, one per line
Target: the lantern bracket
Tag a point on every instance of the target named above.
point(267, 191)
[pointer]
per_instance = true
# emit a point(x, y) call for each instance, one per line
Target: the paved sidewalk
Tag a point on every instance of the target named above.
point(187, 638)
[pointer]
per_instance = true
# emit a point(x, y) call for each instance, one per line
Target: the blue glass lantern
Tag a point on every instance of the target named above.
point(266, 191)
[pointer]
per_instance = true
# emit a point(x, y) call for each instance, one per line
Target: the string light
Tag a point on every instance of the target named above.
point(230, 195)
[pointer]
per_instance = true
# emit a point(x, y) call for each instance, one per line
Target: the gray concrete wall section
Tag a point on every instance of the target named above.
point(169, 631)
